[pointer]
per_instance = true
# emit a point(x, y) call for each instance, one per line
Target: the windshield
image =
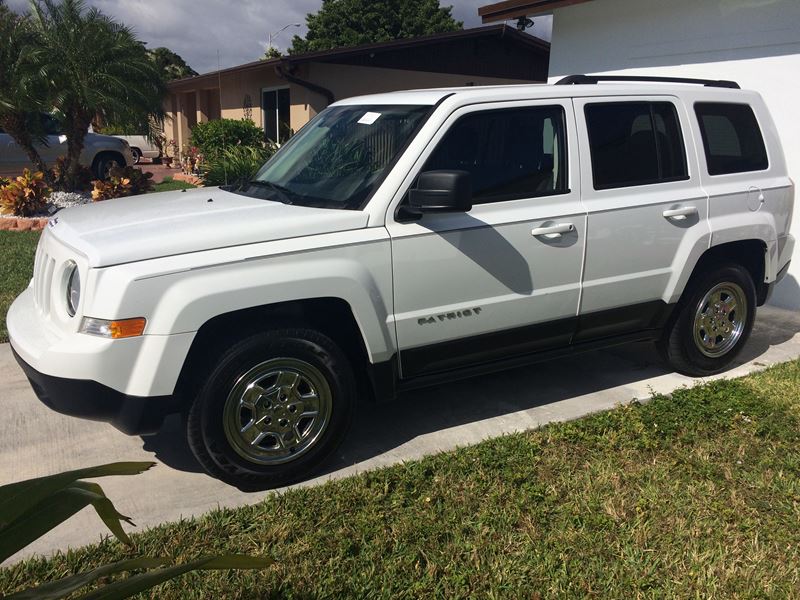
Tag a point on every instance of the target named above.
point(339, 158)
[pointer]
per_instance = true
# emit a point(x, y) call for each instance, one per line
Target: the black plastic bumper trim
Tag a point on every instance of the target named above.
point(87, 399)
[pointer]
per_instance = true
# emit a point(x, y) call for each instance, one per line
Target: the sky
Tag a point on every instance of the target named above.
point(238, 29)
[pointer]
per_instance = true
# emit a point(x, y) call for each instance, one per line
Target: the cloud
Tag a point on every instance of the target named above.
point(236, 29)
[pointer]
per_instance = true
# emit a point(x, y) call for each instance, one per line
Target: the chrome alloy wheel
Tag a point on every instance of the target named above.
point(277, 411)
point(720, 319)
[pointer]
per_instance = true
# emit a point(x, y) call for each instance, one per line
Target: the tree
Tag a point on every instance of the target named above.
point(171, 65)
point(94, 67)
point(341, 23)
point(22, 91)
point(272, 52)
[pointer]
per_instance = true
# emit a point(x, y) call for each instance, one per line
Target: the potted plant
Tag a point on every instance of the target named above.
point(170, 150)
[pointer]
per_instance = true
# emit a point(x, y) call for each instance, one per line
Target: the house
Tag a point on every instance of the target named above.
point(283, 94)
point(753, 42)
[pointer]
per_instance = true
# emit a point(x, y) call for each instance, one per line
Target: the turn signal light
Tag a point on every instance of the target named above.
point(114, 330)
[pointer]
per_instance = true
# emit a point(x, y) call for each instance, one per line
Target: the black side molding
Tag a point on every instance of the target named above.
point(595, 79)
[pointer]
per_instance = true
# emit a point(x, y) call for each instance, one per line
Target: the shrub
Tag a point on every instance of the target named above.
point(26, 196)
point(4, 181)
point(235, 166)
point(83, 181)
point(212, 137)
point(31, 508)
point(127, 181)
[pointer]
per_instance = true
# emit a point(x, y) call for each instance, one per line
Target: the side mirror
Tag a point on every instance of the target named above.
point(441, 192)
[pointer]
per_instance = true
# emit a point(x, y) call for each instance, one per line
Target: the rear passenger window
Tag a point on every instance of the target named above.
point(731, 137)
point(510, 153)
point(635, 143)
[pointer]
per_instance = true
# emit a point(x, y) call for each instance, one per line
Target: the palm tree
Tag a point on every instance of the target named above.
point(22, 90)
point(96, 68)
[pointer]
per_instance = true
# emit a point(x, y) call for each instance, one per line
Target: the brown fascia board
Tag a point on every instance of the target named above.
point(514, 9)
point(501, 30)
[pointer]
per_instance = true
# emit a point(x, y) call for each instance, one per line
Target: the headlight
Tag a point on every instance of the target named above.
point(73, 288)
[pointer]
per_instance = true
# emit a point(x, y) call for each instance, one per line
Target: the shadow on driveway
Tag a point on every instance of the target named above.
point(381, 429)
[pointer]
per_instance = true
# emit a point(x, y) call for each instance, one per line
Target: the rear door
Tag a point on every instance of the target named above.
point(647, 212)
point(502, 280)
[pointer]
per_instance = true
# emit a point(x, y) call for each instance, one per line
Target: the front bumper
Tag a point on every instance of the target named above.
point(134, 415)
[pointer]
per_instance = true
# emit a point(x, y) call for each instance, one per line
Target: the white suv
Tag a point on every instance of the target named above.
point(405, 239)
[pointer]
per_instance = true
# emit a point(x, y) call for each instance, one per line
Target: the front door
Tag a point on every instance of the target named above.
point(502, 280)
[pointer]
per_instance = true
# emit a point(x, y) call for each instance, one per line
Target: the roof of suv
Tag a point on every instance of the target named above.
point(530, 91)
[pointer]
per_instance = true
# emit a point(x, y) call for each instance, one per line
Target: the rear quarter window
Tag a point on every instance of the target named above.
point(731, 138)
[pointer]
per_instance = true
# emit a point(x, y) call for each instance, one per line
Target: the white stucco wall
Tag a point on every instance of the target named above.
point(753, 42)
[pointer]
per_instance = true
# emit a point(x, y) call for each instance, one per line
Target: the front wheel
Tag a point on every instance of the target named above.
point(713, 323)
point(137, 155)
point(276, 405)
point(105, 162)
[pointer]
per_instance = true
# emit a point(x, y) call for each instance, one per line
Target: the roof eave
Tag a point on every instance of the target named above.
point(514, 9)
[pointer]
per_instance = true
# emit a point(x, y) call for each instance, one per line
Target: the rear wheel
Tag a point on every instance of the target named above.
point(713, 322)
point(276, 405)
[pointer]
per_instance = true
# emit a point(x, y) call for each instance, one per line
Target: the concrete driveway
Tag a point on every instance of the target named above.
point(36, 441)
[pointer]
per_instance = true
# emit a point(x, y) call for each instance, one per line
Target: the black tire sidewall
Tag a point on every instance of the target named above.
point(101, 164)
point(137, 156)
point(682, 338)
point(205, 418)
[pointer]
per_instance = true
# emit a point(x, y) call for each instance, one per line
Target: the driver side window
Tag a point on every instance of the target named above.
point(511, 153)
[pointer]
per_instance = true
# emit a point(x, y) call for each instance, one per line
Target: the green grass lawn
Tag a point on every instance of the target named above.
point(170, 185)
point(694, 495)
point(17, 249)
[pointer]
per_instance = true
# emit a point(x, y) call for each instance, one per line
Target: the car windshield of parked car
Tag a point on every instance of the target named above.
point(339, 158)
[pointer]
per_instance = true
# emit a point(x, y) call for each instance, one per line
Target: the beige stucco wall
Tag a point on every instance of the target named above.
point(343, 80)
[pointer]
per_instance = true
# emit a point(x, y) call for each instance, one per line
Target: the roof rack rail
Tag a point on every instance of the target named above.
point(594, 79)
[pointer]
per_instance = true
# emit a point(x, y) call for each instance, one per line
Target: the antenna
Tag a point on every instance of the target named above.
point(219, 88)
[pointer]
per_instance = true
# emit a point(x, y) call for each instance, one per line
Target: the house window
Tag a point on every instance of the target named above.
point(731, 137)
point(635, 143)
point(275, 104)
point(511, 153)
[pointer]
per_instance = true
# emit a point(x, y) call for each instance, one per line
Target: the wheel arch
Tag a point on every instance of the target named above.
point(752, 254)
point(332, 316)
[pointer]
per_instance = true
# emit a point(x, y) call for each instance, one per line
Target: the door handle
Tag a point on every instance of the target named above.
point(679, 214)
point(553, 231)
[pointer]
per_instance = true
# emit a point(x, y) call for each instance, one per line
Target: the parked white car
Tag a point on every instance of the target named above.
point(403, 240)
point(100, 152)
point(141, 147)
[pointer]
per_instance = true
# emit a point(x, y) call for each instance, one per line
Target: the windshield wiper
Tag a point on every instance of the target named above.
point(283, 193)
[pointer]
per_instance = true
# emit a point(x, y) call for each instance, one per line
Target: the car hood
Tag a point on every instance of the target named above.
point(156, 225)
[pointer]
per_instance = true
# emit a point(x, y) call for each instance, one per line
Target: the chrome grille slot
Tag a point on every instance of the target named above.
point(47, 284)
point(38, 275)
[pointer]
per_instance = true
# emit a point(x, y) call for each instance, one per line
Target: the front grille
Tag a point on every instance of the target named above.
point(43, 268)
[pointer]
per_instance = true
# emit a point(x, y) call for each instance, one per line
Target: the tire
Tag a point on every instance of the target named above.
point(251, 423)
point(702, 340)
point(137, 155)
point(104, 162)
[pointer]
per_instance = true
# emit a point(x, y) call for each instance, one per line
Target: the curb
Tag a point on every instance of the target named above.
point(22, 224)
